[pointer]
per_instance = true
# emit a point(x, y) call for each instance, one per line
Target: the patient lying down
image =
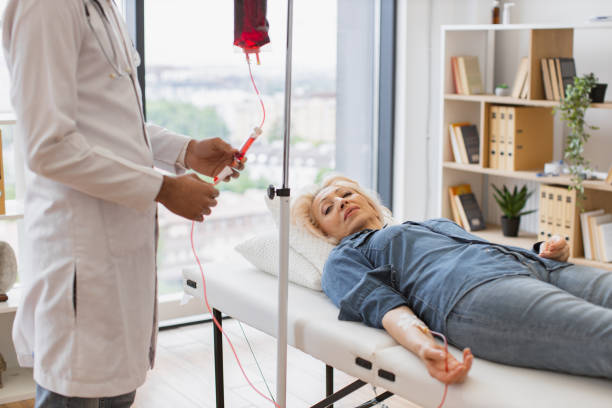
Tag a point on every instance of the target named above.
point(508, 304)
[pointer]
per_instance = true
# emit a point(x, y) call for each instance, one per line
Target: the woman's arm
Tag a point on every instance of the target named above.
point(409, 331)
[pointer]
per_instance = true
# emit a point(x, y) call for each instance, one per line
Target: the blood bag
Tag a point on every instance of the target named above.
point(250, 25)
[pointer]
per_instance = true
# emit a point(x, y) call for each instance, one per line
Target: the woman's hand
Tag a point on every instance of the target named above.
point(434, 358)
point(406, 328)
point(555, 248)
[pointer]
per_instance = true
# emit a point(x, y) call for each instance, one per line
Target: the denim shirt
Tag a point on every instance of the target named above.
point(427, 266)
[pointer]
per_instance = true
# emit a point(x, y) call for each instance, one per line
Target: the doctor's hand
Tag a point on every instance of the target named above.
point(555, 248)
point(210, 156)
point(434, 358)
point(188, 196)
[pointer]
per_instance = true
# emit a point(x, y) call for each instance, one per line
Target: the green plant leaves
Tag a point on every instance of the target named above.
point(573, 108)
point(511, 203)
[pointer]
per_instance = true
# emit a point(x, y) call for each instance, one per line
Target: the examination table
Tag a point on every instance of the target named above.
point(374, 357)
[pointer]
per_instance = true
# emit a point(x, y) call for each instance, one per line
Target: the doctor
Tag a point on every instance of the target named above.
point(87, 322)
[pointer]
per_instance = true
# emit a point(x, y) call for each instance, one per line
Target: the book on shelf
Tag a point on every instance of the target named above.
point(584, 223)
point(567, 72)
point(557, 74)
point(471, 142)
point(570, 218)
point(552, 69)
point(459, 87)
point(466, 75)
point(469, 210)
point(542, 222)
point(520, 78)
point(525, 90)
point(605, 241)
point(493, 137)
point(548, 92)
point(456, 77)
point(559, 79)
point(522, 137)
point(501, 137)
point(459, 152)
point(2, 191)
point(609, 178)
point(550, 211)
point(454, 191)
point(594, 222)
point(469, 70)
point(558, 214)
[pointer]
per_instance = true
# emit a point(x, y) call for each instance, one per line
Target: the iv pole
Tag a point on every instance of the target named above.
point(284, 195)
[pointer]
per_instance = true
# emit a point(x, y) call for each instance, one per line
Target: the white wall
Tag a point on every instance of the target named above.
point(418, 85)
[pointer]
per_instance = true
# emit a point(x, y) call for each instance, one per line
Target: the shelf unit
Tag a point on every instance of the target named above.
point(18, 382)
point(18, 385)
point(480, 40)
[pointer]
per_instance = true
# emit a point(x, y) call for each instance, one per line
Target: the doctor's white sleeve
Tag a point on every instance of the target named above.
point(167, 148)
point(42, 42)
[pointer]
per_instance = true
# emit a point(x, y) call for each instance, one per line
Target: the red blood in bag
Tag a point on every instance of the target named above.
point(250, 24)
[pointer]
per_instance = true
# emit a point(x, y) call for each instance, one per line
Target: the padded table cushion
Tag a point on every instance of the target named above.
point(245, 293)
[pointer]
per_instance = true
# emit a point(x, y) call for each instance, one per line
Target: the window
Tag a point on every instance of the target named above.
point(5, 105)
point(197, 83)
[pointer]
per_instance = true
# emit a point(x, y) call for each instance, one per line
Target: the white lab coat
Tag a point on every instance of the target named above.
point(87, 321)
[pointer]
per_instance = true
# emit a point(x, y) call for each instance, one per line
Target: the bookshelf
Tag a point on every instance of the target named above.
point(536, 41)
point(18, 382)
point(508, 100)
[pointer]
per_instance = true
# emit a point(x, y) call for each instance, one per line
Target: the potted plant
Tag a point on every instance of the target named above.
point(502, 90)
point(512, 204)
point(573, 108)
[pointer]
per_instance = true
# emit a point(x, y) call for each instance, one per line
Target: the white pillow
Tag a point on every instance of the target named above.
point(314, 249)
point(262, 252)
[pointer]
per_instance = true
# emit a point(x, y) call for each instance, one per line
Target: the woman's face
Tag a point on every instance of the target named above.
point(341, 211)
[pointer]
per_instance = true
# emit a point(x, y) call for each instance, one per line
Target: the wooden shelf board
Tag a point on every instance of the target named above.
point(493, 233)
point(589, 262)
point(510, 27)
point(508, 100)
point(10, 306)
point(19, 385)
point(7, 118)
point(526, 240)
point(527, 175)
point(14, 210)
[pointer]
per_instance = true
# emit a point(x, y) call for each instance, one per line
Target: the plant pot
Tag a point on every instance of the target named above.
point(510, 226)
point(598, 93)
point(502, 91)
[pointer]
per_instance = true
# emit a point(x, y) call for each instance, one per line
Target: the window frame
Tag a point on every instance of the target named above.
point(383, 107)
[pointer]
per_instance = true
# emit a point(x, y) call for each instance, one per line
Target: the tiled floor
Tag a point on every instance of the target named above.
point(184, 373)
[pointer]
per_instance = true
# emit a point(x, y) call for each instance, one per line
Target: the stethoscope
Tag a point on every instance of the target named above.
point(114, 60)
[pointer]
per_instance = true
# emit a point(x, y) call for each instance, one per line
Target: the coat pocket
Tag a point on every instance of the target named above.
point(128, 230)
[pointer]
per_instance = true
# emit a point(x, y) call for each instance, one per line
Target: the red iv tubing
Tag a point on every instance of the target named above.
point(256, 132)
point(239, 157)
point(446, 362)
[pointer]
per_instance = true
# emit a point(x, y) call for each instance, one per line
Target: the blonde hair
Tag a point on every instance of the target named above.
point(303, 216)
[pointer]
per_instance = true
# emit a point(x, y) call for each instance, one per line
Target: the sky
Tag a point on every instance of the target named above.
point(200, 33)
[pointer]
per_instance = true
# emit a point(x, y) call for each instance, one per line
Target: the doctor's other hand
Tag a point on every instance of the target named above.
point(188, 196)
point(434, 357)
point(555, 248)
point(210, 156)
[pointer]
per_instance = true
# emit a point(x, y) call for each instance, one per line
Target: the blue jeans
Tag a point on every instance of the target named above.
point(559, 320)
point(49, 399)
